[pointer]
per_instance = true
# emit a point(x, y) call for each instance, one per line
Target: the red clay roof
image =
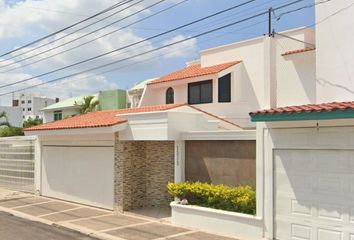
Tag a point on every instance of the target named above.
point(323, 107)
point(194, 71)
point(100, 119)
point(298, 51)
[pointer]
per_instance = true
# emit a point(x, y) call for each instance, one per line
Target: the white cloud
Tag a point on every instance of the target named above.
point(29, 19)
point(183, 49)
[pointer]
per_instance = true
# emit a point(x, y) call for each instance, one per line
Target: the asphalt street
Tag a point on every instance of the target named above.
point(14, 228)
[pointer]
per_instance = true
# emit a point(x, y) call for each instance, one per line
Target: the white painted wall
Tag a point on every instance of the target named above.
point(292, 79)
point(335, 58)
point(48, 115)
point(14, 115)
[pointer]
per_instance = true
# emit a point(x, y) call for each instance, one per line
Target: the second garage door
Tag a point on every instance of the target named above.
point(82, 174)
point(314, 194)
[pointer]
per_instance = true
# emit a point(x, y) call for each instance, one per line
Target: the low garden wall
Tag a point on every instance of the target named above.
point(231, 224)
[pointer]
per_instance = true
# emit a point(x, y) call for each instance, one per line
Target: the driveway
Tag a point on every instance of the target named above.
point(93, 222)
point(15, 228)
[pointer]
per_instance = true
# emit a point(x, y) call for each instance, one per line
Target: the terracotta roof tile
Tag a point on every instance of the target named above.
point(194, 71)
point(100, 119)
point(323, 107)
point(298, 51)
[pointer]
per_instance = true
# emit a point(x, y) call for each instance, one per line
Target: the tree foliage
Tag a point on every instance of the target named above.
point(88, 105)
point(30, 122)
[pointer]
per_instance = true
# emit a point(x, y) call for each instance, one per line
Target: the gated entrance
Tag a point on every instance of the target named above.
point(17, 163)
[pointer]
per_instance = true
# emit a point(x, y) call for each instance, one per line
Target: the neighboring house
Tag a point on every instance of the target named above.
point(135, 93)
point(232, 80)
point(31, 104)
point(108, 100)
point(13, 115)
point(305, 160)
point(63, 109)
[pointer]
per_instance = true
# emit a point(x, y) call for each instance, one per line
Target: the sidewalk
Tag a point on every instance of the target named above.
point(94, 222)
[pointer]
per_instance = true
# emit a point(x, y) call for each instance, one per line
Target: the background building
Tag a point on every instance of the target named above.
point(108, 100)
point(31, 104)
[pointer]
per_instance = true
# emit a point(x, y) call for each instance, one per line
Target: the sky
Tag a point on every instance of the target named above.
point(27, 20)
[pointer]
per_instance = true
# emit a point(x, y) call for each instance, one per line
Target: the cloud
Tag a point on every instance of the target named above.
point(184, 49)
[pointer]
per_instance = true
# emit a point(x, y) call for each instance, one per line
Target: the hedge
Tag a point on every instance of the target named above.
point(11, 131)
point(236, 199)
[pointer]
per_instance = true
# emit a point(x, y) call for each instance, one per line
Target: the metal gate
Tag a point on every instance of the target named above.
point(17, 163)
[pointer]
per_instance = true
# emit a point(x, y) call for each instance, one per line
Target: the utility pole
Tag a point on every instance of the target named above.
point(270, 26)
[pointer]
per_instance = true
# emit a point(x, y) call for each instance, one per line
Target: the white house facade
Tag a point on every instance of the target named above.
point(243, 76)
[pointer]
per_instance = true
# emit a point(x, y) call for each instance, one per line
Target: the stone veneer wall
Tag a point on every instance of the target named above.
point(142, 170)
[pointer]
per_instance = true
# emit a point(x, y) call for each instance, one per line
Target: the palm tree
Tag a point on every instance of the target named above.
point(88, 105)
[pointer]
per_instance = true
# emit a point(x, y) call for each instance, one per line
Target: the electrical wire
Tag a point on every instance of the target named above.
point(87, 34)
point(130, 45)
point(71, 33)
point(64, 29)
point(159, 48)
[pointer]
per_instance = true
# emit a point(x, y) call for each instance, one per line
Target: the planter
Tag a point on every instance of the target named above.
point(216, 221)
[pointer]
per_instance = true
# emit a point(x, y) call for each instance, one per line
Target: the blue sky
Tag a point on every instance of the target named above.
point(27, 20)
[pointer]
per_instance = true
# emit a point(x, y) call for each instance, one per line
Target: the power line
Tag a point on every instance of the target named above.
point(66, 28)
point(130, 45)
point(301, 8)
point(156, 49)
point(71, 33)
point(295, 39)
point(332, 15)
point(87, 34)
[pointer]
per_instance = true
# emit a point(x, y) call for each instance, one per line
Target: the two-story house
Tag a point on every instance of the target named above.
point(192, 125)
point(232, 80)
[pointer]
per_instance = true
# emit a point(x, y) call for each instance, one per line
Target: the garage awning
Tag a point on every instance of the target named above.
point(323, 111)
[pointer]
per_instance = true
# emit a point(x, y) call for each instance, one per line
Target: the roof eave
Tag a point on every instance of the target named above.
point(303, 116)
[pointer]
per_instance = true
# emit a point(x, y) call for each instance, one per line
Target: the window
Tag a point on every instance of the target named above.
point(29, 101)
point(170, 96)
point(23, 102)
point(58, 115)
point(200, 92)
point(225, 88)
point(29, 109)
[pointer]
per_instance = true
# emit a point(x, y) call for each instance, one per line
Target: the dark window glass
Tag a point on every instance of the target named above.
point(58, 115)
point(225, 88)
point(200, 92)
point(170, 96)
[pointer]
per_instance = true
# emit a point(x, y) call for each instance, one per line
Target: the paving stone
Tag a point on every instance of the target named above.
point(75, 214)
point(46, 208)
point(108, 222)
point(17, 202)
point(147, 232)
point(200, 236)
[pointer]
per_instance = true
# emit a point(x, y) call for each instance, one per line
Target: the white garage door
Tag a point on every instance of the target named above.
point(79, 174)
point(314, 194)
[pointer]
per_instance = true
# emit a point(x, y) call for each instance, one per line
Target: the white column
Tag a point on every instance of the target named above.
point(179, 161)
point(270, 73)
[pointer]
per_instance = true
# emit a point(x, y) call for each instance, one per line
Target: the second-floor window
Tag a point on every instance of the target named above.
point(58, 115)
point(170, 96)
point(200, 92)
point(225, 88)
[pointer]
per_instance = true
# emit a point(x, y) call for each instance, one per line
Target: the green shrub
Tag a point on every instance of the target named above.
point(11, 131)
point(236, 199)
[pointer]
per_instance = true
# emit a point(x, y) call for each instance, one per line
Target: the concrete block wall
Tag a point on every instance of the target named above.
point(142, 170)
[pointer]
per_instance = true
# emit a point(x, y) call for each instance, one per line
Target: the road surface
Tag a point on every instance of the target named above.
point(14, 228)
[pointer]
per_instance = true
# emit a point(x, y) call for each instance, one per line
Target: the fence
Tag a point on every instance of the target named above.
point(17, 157)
